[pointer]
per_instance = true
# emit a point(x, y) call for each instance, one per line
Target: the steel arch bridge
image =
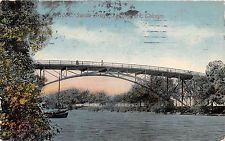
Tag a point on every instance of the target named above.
point(134, 73)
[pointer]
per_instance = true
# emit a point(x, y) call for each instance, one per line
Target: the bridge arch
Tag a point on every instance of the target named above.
point(127, 77)
point(129, 72)
point(130, 78)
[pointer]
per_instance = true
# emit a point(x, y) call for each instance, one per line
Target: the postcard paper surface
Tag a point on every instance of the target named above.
point(113, 70)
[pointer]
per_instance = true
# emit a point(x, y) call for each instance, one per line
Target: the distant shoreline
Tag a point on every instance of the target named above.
point(139, 109)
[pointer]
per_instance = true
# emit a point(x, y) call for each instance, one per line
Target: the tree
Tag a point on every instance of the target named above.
point(23, 32)
point(209, 89)
point(159, 91)
point(101, 98)
point(215, 72)
point(152, 91)
point(198, 87)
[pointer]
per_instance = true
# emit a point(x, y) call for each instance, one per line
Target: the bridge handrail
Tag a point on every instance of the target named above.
point(119, 65)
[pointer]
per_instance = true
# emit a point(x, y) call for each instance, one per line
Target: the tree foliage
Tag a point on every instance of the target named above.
point(210, 88)
point(215, 72)
point(76, 96)
point(151, 92)
point(198, 88)
point(23, 32)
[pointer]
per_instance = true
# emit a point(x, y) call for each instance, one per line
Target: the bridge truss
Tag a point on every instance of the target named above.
point(138, 74)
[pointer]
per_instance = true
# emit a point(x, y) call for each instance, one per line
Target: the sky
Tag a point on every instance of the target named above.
point(184, 35)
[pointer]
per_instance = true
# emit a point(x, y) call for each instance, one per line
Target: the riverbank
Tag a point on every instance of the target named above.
point(164, 110)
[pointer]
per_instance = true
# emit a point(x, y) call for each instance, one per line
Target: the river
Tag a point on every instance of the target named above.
point(83, 125)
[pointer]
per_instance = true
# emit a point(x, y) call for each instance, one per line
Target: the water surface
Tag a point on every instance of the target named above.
point(82, 125)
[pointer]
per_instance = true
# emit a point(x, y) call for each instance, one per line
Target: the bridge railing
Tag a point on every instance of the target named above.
point(116, 65)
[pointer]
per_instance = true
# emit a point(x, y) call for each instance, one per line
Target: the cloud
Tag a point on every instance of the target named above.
point(95, 36)
point(185, 36)
point(82, 34)
point(175, 62)
point(126, 45)
point(142, 27)
point(189, 35)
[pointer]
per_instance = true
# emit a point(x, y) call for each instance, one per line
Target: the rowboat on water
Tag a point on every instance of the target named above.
point(56, 113)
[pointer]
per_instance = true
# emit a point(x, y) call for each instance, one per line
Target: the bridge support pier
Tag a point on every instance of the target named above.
point(190, 101)
point(66, 71)
point(59, 88)
point(182, 92)
point(40, 72)
point(167, 85)
point(44, 76)
point(135, 77)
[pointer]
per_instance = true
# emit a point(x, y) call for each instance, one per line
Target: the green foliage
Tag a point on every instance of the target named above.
point(22, 28)
point(23, 31)
point(215, 72)
point(198, 88)
point(155, 91)
point(209, 88)
point(76, 96)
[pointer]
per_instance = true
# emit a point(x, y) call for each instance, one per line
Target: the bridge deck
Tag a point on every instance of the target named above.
point(115, 67)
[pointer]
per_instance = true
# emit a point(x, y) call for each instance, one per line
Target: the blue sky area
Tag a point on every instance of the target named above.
point(190, 34)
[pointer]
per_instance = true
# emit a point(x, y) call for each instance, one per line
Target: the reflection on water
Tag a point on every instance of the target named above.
point(138, 126)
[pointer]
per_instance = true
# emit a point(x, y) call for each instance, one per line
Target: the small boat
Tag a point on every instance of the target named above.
point(58, 113)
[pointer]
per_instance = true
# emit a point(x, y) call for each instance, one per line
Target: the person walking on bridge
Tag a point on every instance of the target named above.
point(102, 63)
point(77, 62)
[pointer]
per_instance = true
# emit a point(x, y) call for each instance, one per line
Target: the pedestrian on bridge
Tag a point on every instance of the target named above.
point(102, 63)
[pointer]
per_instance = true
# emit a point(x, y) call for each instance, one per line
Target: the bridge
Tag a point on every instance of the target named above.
point(131, 72)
